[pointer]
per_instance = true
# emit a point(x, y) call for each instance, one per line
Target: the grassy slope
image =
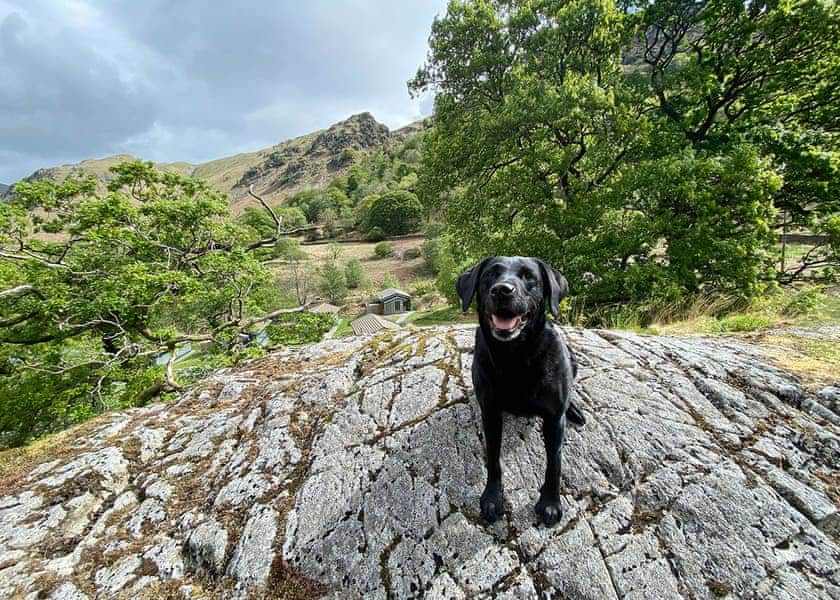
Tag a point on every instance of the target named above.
point(376, 269)
point(100, 168)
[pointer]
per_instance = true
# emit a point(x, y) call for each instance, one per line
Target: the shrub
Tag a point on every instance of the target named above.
point(383, 250)
point(411, 253)
point(391, 281)
point(354, 274)
point(431, 254)
point(299, 328)
point(375, 235)
point(424, 288)
point(804, 301)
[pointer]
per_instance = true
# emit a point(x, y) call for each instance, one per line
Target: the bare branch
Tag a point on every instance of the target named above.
point(171, 384)
point(21, 290)
point(278, 221)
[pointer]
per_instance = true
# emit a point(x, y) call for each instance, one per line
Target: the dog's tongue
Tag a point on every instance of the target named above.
point(505, 323)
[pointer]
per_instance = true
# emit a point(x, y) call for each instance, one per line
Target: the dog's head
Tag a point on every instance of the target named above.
point(512, 293)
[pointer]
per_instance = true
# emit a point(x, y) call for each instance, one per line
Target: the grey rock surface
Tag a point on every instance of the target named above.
point(353, 468)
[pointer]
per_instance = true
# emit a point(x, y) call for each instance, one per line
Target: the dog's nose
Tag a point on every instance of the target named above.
point(500, 290)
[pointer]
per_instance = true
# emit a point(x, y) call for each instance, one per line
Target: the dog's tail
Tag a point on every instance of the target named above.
point(574, 416)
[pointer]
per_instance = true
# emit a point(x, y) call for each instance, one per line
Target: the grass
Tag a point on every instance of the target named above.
point(343, 329)
point(16, 462)
point(793, 252)
point(446, 315)
point(376, 269)
point(817, 361)
point(827, 312)
point(807, 307)
point(734, 323)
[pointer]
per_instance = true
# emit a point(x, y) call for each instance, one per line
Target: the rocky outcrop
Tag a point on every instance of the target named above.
point(353, 469)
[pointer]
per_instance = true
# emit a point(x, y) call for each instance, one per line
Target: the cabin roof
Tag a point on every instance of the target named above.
point(389, 292)
point(371, 323)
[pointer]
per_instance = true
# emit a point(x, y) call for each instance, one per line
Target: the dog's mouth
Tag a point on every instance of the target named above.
point(507, 326)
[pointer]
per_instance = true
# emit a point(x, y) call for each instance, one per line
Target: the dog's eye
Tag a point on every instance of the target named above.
point(530, 280)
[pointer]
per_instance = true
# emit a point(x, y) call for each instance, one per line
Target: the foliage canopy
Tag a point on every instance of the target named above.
point(639, 148)
point(95, 287)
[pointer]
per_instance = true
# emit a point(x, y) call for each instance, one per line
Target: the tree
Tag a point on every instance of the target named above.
point(762, 72)
point(639, 180)
point(94, 287)
point(332, 283)
point(532, 122)
point(363, 211)
point(354, 274)
point(314, 202)
point(263, 224)
point(300, 277)
point(720, 66)
point(396, 213)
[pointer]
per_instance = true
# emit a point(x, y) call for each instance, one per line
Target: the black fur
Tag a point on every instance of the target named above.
point(521, 366)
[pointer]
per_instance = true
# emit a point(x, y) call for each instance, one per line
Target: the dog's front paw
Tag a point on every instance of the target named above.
point(549, 510)
point(492, 504)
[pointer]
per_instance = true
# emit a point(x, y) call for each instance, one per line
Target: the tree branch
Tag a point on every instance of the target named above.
point(21, 290)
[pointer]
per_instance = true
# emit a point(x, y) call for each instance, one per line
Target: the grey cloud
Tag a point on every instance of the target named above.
point(195, 80)
point(60, 96)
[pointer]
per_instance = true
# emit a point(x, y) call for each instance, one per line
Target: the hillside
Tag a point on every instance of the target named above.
point(353, 469)
point(308, 161)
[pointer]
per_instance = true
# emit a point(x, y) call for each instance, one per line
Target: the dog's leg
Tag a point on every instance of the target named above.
point(492, 499)
point(548, 507)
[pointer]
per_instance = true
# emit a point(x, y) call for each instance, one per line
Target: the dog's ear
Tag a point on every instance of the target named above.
point(555, 286)
point(467, 281)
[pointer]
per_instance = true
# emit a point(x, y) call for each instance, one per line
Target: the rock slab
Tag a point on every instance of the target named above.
point(353, 469)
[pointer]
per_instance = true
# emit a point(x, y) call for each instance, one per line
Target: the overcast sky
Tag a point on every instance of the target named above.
point(192, 80)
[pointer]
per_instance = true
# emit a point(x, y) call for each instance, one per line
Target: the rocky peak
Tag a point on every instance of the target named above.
point(353, 468)
point(358, 132)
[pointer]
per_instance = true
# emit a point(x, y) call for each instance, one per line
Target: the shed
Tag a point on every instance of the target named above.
point(371, 324)
point(394, 301)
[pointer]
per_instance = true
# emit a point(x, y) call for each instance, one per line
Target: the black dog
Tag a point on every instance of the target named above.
point(521, 366)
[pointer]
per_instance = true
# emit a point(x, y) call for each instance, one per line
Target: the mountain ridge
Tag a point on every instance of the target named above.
point(312, 160)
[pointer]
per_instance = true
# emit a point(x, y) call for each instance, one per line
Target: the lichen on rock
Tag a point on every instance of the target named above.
point(353, 468)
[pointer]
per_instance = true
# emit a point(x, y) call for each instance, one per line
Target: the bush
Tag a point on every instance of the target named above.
point(332, 284)
point(299, 328)
point(424, 288)
point(383, 250)
point(375, 235)
point(396, 213)
point(391, 281)
point(431, 254)
point(411, 253)
point(804, 301)
point(354, 274)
